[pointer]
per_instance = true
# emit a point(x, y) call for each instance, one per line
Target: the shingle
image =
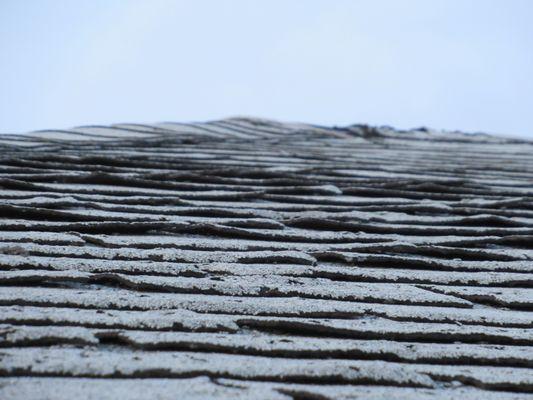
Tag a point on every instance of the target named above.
point(248, 258)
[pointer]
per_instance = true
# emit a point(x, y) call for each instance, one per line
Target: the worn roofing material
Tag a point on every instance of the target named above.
point(252, 259)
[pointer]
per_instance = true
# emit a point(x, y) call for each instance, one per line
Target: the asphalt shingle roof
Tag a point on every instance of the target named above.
point(246, 258)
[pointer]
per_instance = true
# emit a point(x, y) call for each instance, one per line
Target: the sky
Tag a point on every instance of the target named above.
point(445, 64)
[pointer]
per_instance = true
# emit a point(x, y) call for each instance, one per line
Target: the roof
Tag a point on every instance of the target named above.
point(247, 258)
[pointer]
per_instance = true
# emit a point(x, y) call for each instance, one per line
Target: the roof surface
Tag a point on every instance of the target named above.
point(246, 258)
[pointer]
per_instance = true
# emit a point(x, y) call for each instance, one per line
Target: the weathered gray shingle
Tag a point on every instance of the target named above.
point(246, 258)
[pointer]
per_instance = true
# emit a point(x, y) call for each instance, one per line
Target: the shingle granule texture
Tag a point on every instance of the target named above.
point(251, 259)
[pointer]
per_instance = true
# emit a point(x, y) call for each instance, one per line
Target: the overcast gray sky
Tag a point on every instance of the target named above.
point(453, 64)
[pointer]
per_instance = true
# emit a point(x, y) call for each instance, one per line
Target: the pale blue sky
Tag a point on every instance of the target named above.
point(454, 64)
